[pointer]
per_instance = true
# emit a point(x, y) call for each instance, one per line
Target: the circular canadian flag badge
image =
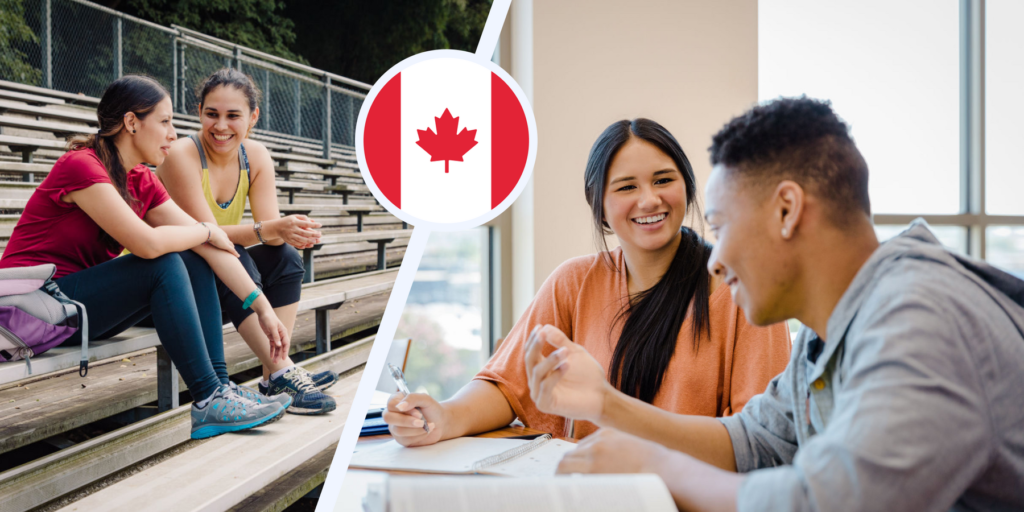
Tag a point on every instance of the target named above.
point(446, 140)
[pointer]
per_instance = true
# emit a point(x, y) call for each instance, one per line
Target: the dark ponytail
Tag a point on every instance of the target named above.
point(655, 316)
point(130, 93)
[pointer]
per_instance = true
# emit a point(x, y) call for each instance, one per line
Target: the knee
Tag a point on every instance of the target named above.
point(193, 263)
point(167, 263)
point(292, 261)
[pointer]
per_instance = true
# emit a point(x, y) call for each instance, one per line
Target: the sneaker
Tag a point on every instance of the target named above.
point(229, 412)
point(259, 396)
point(322, 380)
point(306, 399)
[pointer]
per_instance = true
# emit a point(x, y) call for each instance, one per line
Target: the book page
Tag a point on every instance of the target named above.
point(542, 461)
point(451, 456)
point(593, 493)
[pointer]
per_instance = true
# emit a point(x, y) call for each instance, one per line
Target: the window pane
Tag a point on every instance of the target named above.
point(1004, 106)
point(443, 315)
point(953, 237)
point(891, 70)
point(1004, 248)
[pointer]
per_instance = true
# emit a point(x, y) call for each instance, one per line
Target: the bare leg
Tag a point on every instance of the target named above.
point(260, 345)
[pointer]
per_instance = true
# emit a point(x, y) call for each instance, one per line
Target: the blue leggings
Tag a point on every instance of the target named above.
point(179, 290)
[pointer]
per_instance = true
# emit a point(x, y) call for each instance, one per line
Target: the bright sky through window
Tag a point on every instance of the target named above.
point(891, 70)
point(1004, 107)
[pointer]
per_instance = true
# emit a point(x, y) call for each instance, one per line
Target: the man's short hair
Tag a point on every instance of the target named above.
point(799, 139)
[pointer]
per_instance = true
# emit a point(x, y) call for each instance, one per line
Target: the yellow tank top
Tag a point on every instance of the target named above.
point(230, 213)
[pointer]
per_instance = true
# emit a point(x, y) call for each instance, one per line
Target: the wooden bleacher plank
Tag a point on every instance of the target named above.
point(79, 115)
point(58, 129)
point(29, 98)
point(22, 167)
point(58, 403)
point(137, 338)
point(291, 487)
point(58, 474)
point(42, 91)
point(16, 189)
point(63, 358)
point(287, 157)
point(14, 140)
point(217, 481)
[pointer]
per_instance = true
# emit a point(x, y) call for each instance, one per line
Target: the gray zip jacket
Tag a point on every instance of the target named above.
point(916, 401)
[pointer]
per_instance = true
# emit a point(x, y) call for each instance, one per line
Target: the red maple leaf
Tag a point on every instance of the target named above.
point(446, 144)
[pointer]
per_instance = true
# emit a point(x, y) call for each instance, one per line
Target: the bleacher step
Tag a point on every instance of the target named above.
point(63, 472)
point(289, 488)
point(52, 405)
point(224, 470)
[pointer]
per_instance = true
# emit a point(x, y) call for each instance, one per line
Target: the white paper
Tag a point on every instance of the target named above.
point(592, 493)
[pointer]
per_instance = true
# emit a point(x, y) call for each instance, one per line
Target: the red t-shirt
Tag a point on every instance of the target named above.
point(52, 231)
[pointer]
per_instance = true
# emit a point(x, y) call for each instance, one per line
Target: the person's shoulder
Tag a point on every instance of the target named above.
point(583, 265)
point(78, 163)
point(255, 147)
point(184, 151)
point(257, 153)
point(573, 273)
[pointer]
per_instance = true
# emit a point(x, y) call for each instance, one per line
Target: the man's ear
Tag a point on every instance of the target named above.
point(788, 208)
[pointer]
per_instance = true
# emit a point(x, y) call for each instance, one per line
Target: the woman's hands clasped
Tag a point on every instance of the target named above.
point(568, 382)
point(298, 231)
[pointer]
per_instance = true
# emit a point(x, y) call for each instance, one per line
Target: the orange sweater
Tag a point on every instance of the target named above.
point(583, 296)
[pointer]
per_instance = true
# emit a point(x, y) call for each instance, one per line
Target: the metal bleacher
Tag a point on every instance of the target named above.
point(119, 435)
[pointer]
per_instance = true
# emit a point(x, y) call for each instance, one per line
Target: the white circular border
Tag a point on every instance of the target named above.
point(531, 155)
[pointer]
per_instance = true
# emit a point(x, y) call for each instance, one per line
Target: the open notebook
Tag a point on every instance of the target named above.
point(593, 493)
point(468, 455)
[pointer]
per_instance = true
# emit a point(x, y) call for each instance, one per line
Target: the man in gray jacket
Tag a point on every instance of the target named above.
point(905, 388)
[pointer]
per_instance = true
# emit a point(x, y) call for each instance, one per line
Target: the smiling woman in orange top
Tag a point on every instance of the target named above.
point(662, 328)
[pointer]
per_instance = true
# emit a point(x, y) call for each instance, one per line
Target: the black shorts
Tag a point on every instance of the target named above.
point(276, 269)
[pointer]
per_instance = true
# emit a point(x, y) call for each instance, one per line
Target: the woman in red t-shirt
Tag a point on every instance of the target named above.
point(98, 199)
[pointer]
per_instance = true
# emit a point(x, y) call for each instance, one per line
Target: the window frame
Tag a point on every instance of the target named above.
point(972, 214)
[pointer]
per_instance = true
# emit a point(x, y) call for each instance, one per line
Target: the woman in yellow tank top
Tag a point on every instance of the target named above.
point(211, 175)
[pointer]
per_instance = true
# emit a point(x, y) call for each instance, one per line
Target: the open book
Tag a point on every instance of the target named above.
point(468, 455)
point(593, 493)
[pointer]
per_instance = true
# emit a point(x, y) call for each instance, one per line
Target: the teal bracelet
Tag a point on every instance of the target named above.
point(251, 298)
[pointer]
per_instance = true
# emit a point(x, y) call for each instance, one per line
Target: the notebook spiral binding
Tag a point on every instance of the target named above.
point(509, 455)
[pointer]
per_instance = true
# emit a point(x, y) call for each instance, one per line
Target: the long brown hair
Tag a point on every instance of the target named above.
point(131, 93)
point(655, 316)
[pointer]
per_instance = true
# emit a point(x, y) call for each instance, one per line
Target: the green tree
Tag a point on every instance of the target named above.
point(362, 40)
point(14, 32)
point(258, 24)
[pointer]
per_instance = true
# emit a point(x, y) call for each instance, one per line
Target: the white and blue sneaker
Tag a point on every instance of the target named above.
point(306, 398)
point(227, 411)
point(322, 380)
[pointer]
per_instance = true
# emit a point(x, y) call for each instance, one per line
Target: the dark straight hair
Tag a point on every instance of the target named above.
point(131, 93)
point(655, 316)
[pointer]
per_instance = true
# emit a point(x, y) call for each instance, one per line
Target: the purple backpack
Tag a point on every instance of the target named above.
point(35, 316)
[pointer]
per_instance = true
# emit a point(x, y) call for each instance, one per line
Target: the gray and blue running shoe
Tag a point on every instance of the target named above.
point(306, 398)
point(322, 380)
point(229, 412)
point(259, 397)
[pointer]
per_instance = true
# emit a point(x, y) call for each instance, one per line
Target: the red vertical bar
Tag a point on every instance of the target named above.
point(510, 140)
point(382, 140)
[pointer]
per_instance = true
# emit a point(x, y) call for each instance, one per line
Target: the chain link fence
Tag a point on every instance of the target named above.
point(79, 47)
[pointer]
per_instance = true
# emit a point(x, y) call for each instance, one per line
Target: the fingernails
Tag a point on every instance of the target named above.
point(402, 406)
point(417, 423)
